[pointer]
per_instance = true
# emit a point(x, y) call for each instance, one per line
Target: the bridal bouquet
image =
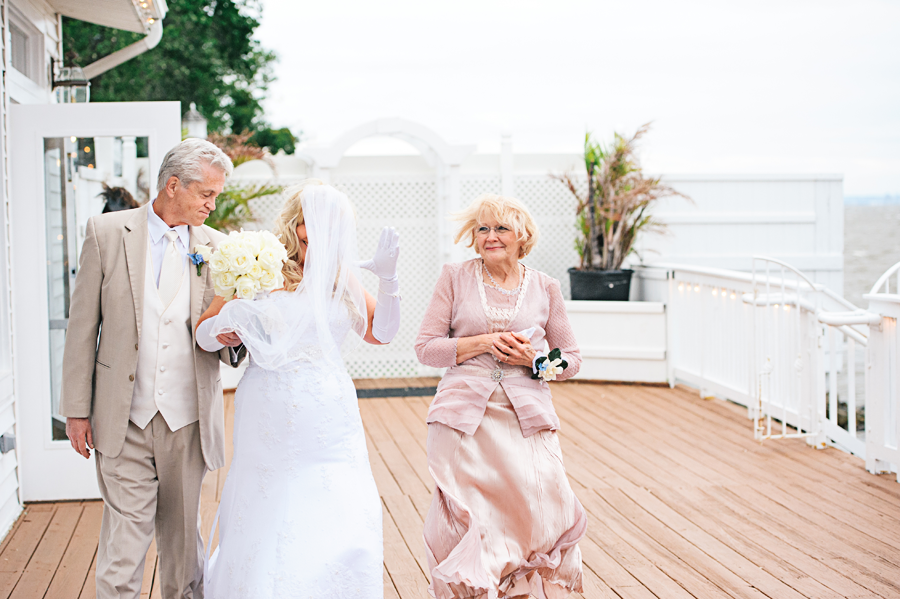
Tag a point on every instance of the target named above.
point(247, 263)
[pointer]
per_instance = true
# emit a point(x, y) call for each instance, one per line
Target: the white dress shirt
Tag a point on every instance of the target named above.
point(159, 243)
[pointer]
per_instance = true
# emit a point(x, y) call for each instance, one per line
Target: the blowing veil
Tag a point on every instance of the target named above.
point(325, 317)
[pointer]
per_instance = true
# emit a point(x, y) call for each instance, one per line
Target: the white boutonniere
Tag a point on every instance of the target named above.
point(200, 256)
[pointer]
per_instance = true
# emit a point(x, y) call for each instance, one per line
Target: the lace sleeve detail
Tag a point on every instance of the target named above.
point(434, 346)
point(559, 332)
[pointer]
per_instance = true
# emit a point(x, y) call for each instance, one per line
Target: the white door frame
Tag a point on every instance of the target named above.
point(51, 470)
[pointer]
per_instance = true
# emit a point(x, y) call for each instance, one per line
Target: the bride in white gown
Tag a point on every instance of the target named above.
point(300, 515)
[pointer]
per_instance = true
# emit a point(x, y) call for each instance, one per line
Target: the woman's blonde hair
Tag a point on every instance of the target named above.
point(285, 229)
point(505, 210)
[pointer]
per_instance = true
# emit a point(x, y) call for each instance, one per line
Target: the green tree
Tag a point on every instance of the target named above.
point(207, 55)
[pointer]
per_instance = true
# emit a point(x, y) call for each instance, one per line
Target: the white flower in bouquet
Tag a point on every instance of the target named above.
point(242, 262)
point(271, 280)
point(218, 262)
point(224, 283)
point(269, 258)
point(246, 288)
point(251, 241)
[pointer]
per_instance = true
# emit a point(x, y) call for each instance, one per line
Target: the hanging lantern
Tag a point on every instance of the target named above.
point(70, 85)
point(194, 123)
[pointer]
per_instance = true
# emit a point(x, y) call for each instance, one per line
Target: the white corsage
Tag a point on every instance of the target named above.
point(547, 367)
point(247, 263)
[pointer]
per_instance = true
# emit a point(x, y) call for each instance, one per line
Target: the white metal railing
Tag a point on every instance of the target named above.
point(883, 376)
point(802, 359)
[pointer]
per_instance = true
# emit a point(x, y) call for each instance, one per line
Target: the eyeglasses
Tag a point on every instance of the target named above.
point(500, 230)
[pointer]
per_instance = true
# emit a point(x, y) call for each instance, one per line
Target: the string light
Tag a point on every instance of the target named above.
point(715, 291)
point(680, 286)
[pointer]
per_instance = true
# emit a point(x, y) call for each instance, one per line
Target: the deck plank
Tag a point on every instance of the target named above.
point(408, 578)
point(70, 576)
point(89, 590)
point(18, 552)
point(42, 566)
point(150, 564)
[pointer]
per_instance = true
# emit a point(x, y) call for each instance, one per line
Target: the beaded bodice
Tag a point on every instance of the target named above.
point(500, 317)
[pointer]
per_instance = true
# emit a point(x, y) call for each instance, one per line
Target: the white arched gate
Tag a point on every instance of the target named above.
point(414, 196)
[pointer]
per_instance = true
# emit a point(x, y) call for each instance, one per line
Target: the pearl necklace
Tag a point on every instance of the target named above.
point(498, 287)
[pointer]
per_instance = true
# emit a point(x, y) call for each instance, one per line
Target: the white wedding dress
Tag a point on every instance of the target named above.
point(300, 515)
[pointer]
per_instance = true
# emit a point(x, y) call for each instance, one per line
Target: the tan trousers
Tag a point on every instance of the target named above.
point(153, 484)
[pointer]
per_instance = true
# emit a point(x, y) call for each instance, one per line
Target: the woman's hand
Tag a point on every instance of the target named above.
point(384, 263)
point(514, 349)
point(469, 347)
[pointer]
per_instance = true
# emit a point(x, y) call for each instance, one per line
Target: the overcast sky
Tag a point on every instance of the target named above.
point(732, 87)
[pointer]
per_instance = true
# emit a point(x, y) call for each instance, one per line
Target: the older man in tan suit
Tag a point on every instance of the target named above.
point(137, 387)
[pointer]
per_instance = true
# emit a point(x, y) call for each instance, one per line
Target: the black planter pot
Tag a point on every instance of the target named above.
point(603, 285)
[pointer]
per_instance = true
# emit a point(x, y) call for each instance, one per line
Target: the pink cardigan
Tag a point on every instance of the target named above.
point(456, 311)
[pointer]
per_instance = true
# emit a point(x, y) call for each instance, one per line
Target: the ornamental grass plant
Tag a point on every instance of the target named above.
point(614, 207)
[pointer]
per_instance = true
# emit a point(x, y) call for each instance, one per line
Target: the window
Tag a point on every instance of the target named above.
point(19, 49)
point(26, 47)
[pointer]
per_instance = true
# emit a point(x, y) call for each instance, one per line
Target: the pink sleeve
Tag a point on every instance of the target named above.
point(434, 347)
point(559, 333)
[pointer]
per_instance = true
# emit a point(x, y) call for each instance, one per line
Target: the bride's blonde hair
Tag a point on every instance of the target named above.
point(285, 229)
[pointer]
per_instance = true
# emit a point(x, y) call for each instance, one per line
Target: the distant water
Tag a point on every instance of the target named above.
point(871, 243)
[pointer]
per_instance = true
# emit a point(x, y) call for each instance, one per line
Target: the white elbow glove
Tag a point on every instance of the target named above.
point(205, 339)
point(386, 320)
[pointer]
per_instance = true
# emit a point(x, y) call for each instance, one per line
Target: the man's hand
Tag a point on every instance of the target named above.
point(79, 432)
point(229, 339)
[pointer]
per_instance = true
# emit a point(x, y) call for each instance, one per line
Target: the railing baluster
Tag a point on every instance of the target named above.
point(851, 387)
point(832, 377)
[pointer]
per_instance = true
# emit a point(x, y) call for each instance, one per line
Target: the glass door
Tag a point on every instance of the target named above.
point(70, 162)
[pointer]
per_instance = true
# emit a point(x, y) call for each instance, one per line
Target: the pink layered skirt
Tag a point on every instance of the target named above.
point(503, 521)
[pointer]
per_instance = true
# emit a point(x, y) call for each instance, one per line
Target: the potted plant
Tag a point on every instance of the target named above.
point(610, 213)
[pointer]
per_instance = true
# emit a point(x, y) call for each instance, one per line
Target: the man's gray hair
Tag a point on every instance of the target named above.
point(186, 161)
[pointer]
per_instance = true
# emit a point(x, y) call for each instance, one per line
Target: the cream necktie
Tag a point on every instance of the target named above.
point(171, 271)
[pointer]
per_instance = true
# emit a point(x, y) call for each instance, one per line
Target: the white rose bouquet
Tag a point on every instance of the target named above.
point(247, 263)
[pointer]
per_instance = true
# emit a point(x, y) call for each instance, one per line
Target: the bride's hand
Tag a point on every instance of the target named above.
point(384, 263)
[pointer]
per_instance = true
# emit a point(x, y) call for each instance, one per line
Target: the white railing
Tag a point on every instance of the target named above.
point(793, 352)
point(883, 376)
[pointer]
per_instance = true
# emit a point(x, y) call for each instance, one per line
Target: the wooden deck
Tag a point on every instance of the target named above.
point(682, 502)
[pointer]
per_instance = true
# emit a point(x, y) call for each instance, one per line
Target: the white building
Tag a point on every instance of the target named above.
point(53, 159)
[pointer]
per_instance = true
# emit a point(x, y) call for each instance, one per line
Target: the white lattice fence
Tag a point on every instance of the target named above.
point(553, 207)
point(408, 203)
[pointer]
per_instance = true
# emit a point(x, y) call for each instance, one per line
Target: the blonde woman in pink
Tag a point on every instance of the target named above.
point(503, 521)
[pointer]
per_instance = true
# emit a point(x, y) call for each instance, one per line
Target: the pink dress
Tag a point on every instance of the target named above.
point(504, 521)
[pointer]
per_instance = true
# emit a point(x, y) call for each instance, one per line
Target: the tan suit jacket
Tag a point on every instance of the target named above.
point(105, 328)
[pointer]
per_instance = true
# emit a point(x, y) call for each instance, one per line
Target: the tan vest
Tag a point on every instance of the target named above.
point(165, 380)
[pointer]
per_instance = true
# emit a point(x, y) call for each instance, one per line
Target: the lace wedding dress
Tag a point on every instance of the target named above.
point(300, 515)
